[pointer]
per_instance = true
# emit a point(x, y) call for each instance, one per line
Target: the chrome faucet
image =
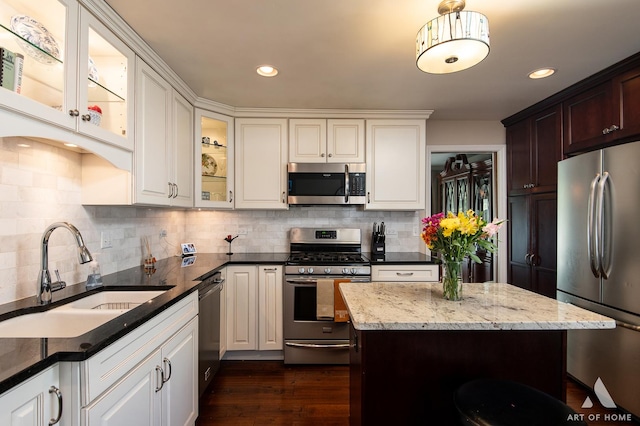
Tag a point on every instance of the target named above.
point(45, 286)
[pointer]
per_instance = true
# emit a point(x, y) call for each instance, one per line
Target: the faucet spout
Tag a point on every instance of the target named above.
point(45, 285)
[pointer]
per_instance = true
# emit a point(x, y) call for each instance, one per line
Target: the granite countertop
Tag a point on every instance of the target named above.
point(491, 306)
point(21, 358)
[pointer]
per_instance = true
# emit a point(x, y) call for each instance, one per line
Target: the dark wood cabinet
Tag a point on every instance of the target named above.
point(466, 186)
point(604, 114)
point(534, 147)
point(532, 239)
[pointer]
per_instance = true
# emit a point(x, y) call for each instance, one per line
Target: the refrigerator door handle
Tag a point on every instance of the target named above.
point(592, 243)
point(600, 227)
point(627, 325)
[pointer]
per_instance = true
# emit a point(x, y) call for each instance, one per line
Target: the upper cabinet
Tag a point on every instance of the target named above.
point(93, 99)
point(534, 147)
point(330, 141)
point(163, 171)
point(395, 152)
point(603, 114)
point(214, 160)
point(261, 163)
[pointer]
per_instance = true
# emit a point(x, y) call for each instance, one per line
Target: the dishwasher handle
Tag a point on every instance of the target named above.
point(211, 288)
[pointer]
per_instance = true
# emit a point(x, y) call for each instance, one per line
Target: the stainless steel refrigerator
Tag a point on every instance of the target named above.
point(599, 266)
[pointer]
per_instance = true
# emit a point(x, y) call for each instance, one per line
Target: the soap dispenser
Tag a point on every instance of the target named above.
point(95, 277)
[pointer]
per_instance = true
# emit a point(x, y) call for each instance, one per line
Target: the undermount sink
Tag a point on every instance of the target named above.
point(75, 318)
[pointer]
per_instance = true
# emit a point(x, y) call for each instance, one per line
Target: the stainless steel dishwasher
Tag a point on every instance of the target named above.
point(209, 330)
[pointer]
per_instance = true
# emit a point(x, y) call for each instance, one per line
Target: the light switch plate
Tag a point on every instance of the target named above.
point(105, 239)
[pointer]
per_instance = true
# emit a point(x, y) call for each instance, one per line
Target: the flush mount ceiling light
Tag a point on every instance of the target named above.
point(267, 71)
point(541, 73)
point(454, 41)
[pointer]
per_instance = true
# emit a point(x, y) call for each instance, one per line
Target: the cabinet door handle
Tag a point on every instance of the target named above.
point(55, 390)
point(527, 259)
point(368, 197)
point(175, 185)
point(167, 361)
point(161, 381)
point(269, 269)
point(283, 197)
point(74, 112)
point(231, 196)
point(170, 190)
point(404, 274)
point(608, 130)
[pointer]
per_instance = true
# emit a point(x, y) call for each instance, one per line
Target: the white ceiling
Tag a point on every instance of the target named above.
point(360, 54)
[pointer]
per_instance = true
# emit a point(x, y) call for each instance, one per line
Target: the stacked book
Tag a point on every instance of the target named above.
point(11, 70)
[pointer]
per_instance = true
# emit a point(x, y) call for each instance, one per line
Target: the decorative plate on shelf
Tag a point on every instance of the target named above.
point(93, 70)
point(209, 165)
point(35, 39)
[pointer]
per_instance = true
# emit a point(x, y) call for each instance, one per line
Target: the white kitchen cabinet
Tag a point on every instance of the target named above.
point(34, 402)
point(254, 307)
point(261, 163)
point(270, 311)
point(147, 377)
point(395, 152)
point(163, 171)
point(214, 160)
point(161, 390)
point(87, 65)
point(404, 273)
point(331, 141)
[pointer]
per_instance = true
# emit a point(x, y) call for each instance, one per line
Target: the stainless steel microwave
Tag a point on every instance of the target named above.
point(326, 183)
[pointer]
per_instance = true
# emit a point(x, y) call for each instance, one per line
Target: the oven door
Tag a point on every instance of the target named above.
point(300, 320)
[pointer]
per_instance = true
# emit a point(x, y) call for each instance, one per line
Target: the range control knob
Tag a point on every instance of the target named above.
point(311, 270)
point(345, 270)
point(354, 271)
point(301, 270)
point(327, 270)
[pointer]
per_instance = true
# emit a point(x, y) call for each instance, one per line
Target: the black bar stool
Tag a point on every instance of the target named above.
point(489, 402)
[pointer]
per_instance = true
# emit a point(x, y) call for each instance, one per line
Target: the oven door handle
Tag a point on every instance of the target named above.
point(318, 345)
point(303, 281)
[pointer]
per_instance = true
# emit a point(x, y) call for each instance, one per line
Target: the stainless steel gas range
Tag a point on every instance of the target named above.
point(319, 253)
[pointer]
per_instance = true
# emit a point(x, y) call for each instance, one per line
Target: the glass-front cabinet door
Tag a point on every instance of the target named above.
point(39, 40)
point(105, 84)
point(43, 42)
point(214, 160)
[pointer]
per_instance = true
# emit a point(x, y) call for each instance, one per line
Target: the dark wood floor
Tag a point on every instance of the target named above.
point(271, 393)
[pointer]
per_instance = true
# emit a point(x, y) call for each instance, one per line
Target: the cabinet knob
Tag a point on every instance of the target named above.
point(74, 112)
point(322, 155)
point(86, 117)
point(330, 155)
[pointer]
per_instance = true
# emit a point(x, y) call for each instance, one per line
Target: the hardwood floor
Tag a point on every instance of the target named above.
point(271, 393)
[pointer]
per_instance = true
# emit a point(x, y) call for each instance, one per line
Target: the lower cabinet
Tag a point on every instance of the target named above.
point(406, 273)
point(254, 308)
point(35, 402)
point(161, 390)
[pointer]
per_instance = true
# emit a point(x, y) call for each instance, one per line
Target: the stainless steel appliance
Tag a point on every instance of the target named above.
point(326, 183)
point(209, 330)
point(318, 254)
point(598, 268)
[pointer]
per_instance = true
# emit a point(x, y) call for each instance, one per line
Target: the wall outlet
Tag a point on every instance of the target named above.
point(416, 230)
point(105, 239)
point(391, 231)
point(163, 233)
point(242, 231)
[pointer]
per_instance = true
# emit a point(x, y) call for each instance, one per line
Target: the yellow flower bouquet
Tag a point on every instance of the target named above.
point(454, 237)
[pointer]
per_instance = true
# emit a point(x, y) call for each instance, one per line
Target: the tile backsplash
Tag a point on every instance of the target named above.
point(40, 183)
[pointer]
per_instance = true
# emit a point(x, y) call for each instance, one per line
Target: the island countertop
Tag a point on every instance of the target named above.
point(488, 306)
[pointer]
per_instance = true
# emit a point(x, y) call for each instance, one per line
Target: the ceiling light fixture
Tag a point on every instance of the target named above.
point(541, 73)
point(454, 41)
point(267, 71)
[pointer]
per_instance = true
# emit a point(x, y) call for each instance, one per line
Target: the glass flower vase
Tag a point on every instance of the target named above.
point(452, 280)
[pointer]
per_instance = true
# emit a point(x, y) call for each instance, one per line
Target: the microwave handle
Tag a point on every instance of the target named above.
point(347, 188)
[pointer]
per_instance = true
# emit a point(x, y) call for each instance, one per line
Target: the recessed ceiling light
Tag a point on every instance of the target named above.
point(267, 71)
point(541, 73)
point(24, 145)
point(71, 145)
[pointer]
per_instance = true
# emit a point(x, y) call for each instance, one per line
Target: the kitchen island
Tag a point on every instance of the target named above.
point(410, 348)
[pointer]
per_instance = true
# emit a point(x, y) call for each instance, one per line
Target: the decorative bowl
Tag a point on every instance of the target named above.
point(35, 39)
